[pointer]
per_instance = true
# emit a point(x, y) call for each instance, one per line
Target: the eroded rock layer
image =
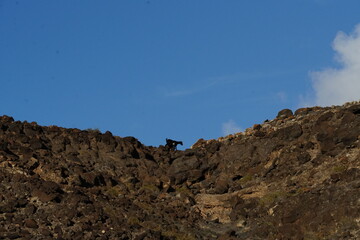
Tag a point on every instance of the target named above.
point(294, 177)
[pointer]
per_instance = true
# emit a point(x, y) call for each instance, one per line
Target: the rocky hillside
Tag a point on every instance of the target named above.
point(294, 177)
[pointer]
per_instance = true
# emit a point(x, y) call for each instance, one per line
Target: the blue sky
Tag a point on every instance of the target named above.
point(181, 69)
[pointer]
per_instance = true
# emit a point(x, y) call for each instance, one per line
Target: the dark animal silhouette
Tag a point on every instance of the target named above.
point(172, 144)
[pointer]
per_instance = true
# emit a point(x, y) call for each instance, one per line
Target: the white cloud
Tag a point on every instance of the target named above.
point(335, 86)
point(230, 127)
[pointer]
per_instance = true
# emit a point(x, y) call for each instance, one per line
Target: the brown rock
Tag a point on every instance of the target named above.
point(285, 113)
point(30, 223)
point(292, 178)
point(43, 196)
point(302, 111)
point(257, 127)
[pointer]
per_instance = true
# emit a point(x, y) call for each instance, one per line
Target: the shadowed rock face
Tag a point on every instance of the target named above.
point(294, 177)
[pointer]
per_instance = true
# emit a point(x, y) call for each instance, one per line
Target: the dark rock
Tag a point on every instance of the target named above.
point(304, 157)
point(291, 216)
point(25, 233)
point(15, 127)
point(36, 143)
point(30, 209)
point(11, 235)
point(213, 147)
point(259, 134)
point(45, 232)
point(92, 179)
point(6, 119)
point(180, 168)
point(324, 117)
point(289, 133)
point(7, 207)
point(355, 109)
point(221, 186)
point(20, 203)
point(58, 230)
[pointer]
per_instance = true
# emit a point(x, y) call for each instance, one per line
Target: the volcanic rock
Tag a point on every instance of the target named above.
point(294, 177)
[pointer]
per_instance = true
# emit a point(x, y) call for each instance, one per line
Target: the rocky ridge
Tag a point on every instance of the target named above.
point(294, 177)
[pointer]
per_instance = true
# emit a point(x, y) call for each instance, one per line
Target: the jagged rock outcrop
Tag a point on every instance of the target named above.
point(294, 177)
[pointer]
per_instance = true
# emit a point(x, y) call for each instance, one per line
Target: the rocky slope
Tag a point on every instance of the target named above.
point(294, 177)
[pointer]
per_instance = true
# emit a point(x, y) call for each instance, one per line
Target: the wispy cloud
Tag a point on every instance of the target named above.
point(230, 127)
point(185, 90)
point(178, 93)
point(203, 85)
point(334, 86)
point(282, 96)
